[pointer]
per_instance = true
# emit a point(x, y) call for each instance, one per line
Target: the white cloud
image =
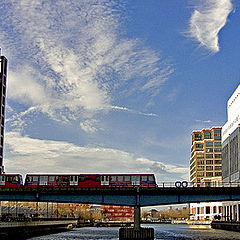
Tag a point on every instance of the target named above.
point(76, 58)
point(207, 20)
point(26, 154)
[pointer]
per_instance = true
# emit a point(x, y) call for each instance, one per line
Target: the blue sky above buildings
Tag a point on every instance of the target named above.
point(115, 86)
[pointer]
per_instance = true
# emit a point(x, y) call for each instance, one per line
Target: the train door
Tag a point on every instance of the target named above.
point(43, 180)
point(2, 180)
point(104, 180)
point(135, 180)
point(73, 180)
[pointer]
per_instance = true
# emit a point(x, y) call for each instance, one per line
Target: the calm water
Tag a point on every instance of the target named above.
point(162, 231)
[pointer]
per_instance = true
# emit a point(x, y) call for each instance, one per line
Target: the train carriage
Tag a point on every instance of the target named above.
point(90, 180)
point(11, 180)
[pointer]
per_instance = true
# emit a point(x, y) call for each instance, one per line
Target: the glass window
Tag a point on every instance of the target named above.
point(217, 149)
point(209, 174)
point(9, 179)
point(200, 162)
point(209, 149)
point(2, 178)
point(217, 144)
point(210, 162)
point(144, 178)
point(217, 134)
point(218, 162)
point(98, 178)
point(82, 178)
point(51, 178)
point(218, 168)
point(209, 144)
point(200, 168)
point(150, 178)
point(113, 178)
point(200, 174)
point(120, 178)
point(209, 155)
point(65, 178)
point(218, 155)
point(127, 178)
point(35, 178)
point(199, 145)
point(198, 136)
point(218, 174)
point(209, 168)
point(199, 156)
point(207, 135)
point(15, 178)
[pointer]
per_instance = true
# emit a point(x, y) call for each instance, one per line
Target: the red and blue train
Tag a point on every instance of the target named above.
point(78, 180)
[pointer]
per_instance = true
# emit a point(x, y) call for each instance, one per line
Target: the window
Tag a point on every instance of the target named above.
point(127, 178)
point(200, 168)
point(82, 178)
point(113, 178)
point(210, 162)
point(51, 178)
point(218, 162)
point(207, 135)
point(15, 178)
point(198, 136)
point(150, 178)
point(217, 144)
point(199, 156)
point(218, 174)
point(217, 134)
point(144, 178)
point(200, 174)
point(207, 210)
point(2, 178)
point(65, 178)
point(209, 150)
point(209, 155)
point(209, 144)
point(217, 149)
point(35, 178)
point(218, 155)
point(209, 168)
point(200, 162)
point(218, 168)
point(209, 174)
point(199, 145)
point(120, 178)
point(9, 179)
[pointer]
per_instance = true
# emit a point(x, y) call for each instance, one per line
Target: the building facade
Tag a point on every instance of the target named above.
point(206, 155)
point(3, 80)
point(231, 153)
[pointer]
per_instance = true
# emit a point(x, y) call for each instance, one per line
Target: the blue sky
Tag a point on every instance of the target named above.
point(115, 86)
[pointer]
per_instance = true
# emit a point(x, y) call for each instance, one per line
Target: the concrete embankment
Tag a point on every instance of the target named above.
point(24, 230)
point(231, 226)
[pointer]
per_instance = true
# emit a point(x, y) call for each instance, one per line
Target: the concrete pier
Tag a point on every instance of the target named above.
point(22, 230)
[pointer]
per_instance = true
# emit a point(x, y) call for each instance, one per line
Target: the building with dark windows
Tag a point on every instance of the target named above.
point(206, 156)
point(231, 153)
point(3, 77)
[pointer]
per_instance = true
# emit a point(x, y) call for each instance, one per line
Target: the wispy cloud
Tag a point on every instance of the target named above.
point(25, 153)
point(208, 18)
point(133, 111)
point(71, 58)
point(203, 121)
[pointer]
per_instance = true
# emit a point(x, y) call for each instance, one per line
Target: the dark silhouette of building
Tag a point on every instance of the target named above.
point(3, 79)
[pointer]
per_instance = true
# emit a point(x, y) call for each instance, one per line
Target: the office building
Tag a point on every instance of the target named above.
point(3, 79)
point(206, 156)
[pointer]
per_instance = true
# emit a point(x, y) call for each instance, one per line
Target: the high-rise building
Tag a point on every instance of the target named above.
point(206, 156)
point(3, 79)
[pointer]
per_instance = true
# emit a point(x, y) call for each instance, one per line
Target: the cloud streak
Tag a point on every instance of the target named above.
point(72, 59)
point(207, 20)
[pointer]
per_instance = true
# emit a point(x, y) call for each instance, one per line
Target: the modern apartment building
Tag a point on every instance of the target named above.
point(231, 154)
point(3, 79)
point(206, 156)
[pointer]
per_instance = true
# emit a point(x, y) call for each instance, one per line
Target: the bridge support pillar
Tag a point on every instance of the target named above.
point(136, 232)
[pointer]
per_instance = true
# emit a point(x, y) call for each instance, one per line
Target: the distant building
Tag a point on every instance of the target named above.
point(206, 155)
point(3, 80)
point(231, 153)
point(118, 213)
point(206, 170)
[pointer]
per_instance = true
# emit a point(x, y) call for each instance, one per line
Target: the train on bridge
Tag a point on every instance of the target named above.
point(78, 180)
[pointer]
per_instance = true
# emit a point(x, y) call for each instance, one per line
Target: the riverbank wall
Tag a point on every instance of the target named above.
point(231, 226)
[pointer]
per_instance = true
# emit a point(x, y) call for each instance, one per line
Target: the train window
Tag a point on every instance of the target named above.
point(107, 178)
point(35, 179)
point(51, 178)
point(2, 178)
point(9, 179)
point(127, 178)
point(58, 178)
point(65, 178)
point(81, 178)
point(15, 178)
point(120, 178)
point(113, 178)
point(97, 178)
point(150, 178)
point(144, 178)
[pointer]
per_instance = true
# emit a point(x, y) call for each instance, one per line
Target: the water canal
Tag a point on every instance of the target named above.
point(162, 232)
